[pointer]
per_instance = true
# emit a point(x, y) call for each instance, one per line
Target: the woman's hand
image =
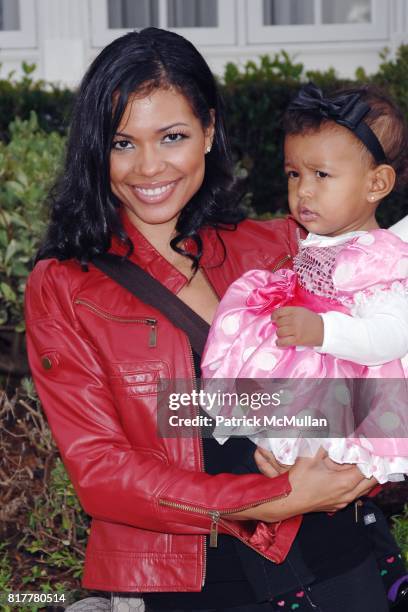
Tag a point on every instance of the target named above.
point(320, 486)
point(267, 463)
point(315, 488)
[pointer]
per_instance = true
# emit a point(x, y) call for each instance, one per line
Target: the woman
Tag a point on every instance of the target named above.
point(148, 176)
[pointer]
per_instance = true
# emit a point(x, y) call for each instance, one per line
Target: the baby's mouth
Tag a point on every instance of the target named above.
point(305, 214)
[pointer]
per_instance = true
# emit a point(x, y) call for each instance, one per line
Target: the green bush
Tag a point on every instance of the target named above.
point(28, 165)
point(42, 527)
point(400, 531)
point(18, 98)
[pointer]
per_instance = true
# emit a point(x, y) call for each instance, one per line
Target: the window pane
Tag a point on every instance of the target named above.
point(347, 11)
point(131, 14)
point(192, 13)
point(288, 12)
point(9, 15)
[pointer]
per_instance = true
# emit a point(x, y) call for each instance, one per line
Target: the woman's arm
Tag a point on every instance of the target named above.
point(315, 487)
point(115, 480)
point(138, 486)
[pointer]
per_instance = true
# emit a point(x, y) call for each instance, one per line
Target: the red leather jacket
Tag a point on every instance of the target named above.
point(96, 354)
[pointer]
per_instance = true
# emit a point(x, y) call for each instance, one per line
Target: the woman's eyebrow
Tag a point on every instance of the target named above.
point(172, 125)
point(123, 134)
point(158, 131)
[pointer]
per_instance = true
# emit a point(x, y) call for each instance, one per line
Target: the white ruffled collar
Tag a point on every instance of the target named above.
point(318, 240)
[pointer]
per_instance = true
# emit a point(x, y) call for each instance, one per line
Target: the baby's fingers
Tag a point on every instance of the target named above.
point(278, 313)
point(286, 341)
point(285, 330)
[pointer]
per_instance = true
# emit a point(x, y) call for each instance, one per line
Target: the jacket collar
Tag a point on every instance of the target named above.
point(148, 258)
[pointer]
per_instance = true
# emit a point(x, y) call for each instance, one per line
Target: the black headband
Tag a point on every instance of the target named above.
point(345, 109)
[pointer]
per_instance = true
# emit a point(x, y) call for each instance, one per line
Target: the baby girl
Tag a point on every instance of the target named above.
point(342, 312)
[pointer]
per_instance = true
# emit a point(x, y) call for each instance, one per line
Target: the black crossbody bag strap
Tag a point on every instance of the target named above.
point(130, 276)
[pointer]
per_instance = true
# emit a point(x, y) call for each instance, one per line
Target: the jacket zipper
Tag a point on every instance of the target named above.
point(201, 460)
point(152, 323)
point(281, 262)
point(216, 517)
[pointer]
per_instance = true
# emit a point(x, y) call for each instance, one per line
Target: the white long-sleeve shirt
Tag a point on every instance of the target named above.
point(378, 331)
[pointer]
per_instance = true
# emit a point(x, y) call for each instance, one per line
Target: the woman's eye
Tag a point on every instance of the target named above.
point(122, 145)
point(321, 174)
point(174, 137)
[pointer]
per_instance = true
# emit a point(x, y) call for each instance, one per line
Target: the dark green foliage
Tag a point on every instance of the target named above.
point(51, 104)
point(255, 98)
point(28, 164)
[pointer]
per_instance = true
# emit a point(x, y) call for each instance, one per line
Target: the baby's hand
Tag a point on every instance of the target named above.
point(297, 326)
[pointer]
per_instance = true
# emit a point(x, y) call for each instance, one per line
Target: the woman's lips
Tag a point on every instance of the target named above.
point(156, 192)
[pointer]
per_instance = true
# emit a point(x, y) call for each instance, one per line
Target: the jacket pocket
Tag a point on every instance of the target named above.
point(148, 322)
point(146, 377)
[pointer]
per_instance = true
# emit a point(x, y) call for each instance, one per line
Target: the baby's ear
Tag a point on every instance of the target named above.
point(382, 182)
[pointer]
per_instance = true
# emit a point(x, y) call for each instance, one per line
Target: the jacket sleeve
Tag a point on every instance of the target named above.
point(115, 481)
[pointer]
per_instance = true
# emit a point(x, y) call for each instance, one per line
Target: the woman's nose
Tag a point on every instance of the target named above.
point(150, 161)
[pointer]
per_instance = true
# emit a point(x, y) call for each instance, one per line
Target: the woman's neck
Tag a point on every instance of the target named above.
point(159, 235)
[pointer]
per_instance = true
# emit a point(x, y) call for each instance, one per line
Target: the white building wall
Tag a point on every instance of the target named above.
point(63, 36)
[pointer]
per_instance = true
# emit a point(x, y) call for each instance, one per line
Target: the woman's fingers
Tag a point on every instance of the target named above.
point(267, 463)
point(364, 487)
point(320, 489)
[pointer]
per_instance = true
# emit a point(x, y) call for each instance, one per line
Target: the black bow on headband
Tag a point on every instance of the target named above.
point(345, 109)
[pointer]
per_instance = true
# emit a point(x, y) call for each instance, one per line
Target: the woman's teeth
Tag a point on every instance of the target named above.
point(156, 191)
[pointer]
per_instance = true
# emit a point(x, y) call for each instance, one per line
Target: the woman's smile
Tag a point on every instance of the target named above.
point(155, 192)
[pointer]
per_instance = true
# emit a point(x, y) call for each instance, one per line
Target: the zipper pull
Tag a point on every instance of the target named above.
point(153, 332)
point(357, 506)
point(215, 515)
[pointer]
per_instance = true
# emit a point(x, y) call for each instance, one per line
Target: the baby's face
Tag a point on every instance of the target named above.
point(329, 180)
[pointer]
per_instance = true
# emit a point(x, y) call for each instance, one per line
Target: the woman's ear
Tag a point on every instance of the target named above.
point(209, 132)
point(382, 182)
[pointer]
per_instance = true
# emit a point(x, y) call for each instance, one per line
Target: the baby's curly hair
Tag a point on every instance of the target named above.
point(384, 118)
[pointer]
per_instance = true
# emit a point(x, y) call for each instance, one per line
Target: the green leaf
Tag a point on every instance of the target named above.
point(11, 250)
point(7, 292)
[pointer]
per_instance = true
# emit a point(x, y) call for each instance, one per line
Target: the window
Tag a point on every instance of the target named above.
point(281, 21)
point(130, 14)
point(204, 22)
point(281, 12)
point(192, 14)
point(17, 24)
point(9, 15)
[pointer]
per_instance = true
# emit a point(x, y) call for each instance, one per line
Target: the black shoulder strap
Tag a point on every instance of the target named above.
point(150, 291)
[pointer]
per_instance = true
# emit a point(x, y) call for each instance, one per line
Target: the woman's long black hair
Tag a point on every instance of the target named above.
point(84, 211)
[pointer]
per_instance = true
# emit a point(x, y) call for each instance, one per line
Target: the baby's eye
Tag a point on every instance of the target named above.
point(320, 174)
point(174, 137)
point(122, 145)
point(292, 174)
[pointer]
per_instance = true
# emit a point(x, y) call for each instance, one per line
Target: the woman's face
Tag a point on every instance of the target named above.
point(157, 161)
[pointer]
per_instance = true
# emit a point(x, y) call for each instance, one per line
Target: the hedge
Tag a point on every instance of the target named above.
point(255, 98)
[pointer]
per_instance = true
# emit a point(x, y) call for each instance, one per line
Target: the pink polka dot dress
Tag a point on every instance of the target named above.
point(350, 274)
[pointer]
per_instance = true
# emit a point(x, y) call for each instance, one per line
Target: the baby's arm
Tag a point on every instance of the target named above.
point(378, 331)
point(400, 229)
point(378, 336)
point(375, 337)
